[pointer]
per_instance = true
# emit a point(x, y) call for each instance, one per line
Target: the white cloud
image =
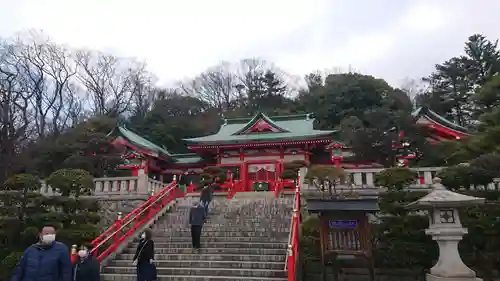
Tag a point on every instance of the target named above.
point(388, 38)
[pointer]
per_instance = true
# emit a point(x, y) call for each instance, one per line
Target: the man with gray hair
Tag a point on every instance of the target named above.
point(196, 219)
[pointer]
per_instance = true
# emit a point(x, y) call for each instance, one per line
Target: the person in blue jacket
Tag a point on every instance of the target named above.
point(47, 260)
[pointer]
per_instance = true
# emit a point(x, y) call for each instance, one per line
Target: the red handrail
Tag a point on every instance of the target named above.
point(123, 228)
point(293, 243)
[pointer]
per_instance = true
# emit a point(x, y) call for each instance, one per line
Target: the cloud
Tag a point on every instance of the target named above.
point(391, 39)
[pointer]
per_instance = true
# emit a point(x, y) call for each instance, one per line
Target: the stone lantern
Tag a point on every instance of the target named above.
point(445, 228)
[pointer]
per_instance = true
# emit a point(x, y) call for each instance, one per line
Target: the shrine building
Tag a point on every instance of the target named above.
point(255, 149)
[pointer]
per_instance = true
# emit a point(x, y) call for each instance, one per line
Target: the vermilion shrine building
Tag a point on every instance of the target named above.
point(255, 149)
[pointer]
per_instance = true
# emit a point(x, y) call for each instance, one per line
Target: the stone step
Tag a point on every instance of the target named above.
point(220, 233)
point(260, 245)
point(235, 251)
point(210, 264)
point(160, 230)
point(183, 271)
point(133, 277)
point(187, 238)
point(228, 224)
point(210, 257)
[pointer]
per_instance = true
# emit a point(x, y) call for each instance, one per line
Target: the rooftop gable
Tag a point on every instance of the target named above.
point(261, 128)
point(260, 123)
point(428, 115)
point(140, 142)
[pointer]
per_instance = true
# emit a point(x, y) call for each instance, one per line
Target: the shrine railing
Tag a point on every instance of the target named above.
point(137, 185)
point(124, 228)
point(292, 258)
point(365, 178)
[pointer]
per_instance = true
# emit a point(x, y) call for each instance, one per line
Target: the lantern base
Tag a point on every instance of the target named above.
point(430, 277)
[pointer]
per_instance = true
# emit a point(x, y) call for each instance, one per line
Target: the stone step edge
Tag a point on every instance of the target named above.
point(219, 242)
point(205, 277)
point(210, 261)
point(205, 254)
point(198, 268)
point(209, 248)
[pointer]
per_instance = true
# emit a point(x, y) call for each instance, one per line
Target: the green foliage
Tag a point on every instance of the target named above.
point(87, 147)
point(71, 182)
point(395, 178)
point(463, 176)
point(23, 182)
point(291, 169)
point(325, 173)
point(289, 174)
point(210, 173)
point(25, 212)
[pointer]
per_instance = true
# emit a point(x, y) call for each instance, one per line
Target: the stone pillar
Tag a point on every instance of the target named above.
point(142, 182)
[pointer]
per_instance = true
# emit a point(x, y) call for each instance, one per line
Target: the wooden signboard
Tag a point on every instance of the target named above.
point(345, 231)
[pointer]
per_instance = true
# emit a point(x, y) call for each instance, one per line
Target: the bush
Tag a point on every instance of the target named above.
point(24, 211)
point(400, 240)
point(395, 179)
point(463, 176)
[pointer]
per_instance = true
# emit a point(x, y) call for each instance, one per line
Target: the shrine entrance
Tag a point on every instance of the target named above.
point(262, 175)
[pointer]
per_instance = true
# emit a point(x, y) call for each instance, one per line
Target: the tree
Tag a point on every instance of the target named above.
point(24, 211)
point(15, 112)
point(326, 177)
point(216, 87)
point(47, 72)
point(488, 96)
point(175, 117)
point(110, 82)
point(87, 146)
point(454, 82)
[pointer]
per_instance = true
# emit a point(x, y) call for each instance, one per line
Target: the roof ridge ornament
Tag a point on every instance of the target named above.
point(436, 184)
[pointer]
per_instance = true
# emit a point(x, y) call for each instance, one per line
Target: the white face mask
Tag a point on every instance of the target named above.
point(48, 238)
point(82, 253)
point(143, 236)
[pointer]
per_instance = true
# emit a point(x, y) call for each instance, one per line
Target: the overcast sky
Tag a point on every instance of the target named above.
point(391, 39)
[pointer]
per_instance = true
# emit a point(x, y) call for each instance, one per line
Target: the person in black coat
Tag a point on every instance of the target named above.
point(86, 267)
point(144, 257)
point(196, 219)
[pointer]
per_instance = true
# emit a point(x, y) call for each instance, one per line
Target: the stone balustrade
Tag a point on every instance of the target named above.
point(142, 185)
point(365, 178)
point(131, 186)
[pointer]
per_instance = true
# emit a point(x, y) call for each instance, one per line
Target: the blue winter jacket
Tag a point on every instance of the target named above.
point(44, 263)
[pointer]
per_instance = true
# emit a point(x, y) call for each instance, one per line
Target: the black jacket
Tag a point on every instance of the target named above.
point(86, 270)
point(183, 179)
point(206, 193)
point(147, 253)
point(196, 216)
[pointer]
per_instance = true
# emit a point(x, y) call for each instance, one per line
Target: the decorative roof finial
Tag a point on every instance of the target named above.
point(224, 118)
point(436, 184)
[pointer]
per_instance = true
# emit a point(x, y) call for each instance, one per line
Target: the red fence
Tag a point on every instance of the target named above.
point(109, 241)
point(293, 243)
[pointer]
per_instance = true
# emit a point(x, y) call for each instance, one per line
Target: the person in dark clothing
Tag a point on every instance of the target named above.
point(86, 267)
point(48, 260)
point(144, 257)
point(183, 181)
point(206, 197)
point(196, 219)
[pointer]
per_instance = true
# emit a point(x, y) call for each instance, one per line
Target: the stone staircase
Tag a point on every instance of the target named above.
point(242, 239)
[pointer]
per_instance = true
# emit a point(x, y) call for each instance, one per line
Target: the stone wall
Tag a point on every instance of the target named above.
point(111, 205)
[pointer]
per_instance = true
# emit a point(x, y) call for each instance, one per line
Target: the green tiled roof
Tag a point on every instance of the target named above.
point(186, 158)
point(139, 141)
point(425, 111)
point(292, 127)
